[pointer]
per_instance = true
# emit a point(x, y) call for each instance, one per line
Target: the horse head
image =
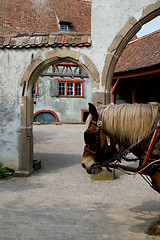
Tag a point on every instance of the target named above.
point(98, 144)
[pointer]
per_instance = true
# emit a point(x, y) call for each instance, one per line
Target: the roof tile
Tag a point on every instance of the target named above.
point(19, 42)
point(65, 38)
point(141, 53)
point(1, 40)
point(31, 41)
point(58, 39)
point(12, 42)
point(53, 40)
point(6, 41)
point(44, 39)
point(38, 40)
point(25, 40)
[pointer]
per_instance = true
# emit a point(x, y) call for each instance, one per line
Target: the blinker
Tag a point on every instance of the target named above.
point(90, 138)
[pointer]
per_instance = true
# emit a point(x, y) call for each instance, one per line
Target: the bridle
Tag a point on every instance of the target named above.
point(92, 139)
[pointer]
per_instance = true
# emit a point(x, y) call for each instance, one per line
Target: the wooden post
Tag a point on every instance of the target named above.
point(113, 88)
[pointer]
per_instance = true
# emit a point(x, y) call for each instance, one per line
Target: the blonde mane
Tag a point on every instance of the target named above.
point(128, 122)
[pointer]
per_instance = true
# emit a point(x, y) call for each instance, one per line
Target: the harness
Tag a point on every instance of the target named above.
point(150, 148)
point(93, 139)
point(148, 166)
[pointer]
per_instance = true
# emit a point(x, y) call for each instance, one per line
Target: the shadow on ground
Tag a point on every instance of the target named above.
point(54, 162)
point(145, 215)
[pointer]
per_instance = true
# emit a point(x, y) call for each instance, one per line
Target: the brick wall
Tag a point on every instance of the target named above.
point(42, 16)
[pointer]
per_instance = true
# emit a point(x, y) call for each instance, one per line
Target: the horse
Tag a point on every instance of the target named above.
point(113, 129)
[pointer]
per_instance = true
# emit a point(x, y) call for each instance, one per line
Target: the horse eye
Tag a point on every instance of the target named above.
point(92, 148)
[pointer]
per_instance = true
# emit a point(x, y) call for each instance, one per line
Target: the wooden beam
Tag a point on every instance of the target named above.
point(136, 74)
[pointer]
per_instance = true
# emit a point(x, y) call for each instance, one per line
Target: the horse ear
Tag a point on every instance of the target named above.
point(93, 111)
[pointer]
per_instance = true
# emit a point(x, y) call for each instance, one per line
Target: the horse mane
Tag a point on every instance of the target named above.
point(128, 123)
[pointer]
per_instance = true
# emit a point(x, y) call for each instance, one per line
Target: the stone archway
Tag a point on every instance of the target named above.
point(121, 40)
point(38, 64)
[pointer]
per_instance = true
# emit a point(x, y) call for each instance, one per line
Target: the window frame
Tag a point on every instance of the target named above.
point(64, 28)
point(74, 89)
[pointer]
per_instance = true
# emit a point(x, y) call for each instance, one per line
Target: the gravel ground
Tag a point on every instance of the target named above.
point(61, 202)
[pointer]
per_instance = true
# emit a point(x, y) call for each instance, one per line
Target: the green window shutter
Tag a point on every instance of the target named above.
point(53, 88)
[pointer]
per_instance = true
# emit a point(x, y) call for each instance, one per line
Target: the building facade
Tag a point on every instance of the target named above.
point(29, 46)
point(62, 94)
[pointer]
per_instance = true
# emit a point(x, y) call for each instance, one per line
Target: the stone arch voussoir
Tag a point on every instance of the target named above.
point(41, 61)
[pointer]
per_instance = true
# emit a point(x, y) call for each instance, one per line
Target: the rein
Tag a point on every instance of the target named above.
point(131, 171)
point(120, 154)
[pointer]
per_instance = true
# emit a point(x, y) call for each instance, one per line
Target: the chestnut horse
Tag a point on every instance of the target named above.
point(114, 128)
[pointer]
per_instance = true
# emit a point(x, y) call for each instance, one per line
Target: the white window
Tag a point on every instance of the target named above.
point(64, 28)
point(78, 89)
point(61, 88)
point(71, 88)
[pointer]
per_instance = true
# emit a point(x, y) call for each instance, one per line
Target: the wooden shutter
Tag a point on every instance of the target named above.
point(53, 88)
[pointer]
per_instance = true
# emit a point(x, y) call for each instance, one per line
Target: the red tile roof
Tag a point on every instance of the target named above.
point(30, 16)
point(47, 40)
point(141, 53)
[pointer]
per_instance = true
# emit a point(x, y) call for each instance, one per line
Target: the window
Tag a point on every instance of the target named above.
point(64, 25)
point(61, 88)
point(78, 89)
point(71, 88)
point(64, 28)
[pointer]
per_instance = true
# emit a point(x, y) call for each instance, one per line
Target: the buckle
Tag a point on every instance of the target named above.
point(99, 123)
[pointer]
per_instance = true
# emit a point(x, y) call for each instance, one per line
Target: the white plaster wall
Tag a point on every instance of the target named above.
point(11, 70)
point(13, 64)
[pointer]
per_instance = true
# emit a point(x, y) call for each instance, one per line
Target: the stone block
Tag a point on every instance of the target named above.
point(104, 175)
point(154, 8)
point(36, 164)
point(98, 97)
point(49, 55)
point(108, 67)
point(92, 68)
point(21, 173)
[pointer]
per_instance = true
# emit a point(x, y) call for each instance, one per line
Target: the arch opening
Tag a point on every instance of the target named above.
point(116, 48)
point(37, 67)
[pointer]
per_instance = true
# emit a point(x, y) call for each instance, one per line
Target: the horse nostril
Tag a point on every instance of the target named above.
point(83, 165)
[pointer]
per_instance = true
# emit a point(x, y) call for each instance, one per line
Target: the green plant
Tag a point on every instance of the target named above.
point(5, 171)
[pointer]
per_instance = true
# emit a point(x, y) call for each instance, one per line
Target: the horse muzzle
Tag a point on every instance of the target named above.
point(93, 169)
